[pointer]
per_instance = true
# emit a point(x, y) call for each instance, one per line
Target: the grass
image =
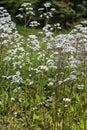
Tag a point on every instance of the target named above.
point(28, 31)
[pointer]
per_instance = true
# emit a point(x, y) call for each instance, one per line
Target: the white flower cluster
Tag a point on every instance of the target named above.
point(46, 12)
point(6, 26)
point(26, 12)
point(34, 24)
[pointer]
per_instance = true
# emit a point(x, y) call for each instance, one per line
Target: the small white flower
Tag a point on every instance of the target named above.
point(65, 105)
point(12, 99)
point(60, 82)
point(26, 4)
point(66, 99)
point(81, 87)
point(15, 113)
point(19, 16)
point(18, 73)
point(40, 9)
point(20, 100)
point(52, 9)
point(73, 77)
point(67, 79)
point(34, 24)
point(50, 84)
point(43, 67)
point(32, 36)
point(31, 82)
point(47, 4)
point(20, 9)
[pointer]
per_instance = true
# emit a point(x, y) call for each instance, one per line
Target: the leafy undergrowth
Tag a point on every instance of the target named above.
point(44, 80)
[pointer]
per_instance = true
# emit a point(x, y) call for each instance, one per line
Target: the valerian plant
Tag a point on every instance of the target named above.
point(26, 13)
point(43, 79)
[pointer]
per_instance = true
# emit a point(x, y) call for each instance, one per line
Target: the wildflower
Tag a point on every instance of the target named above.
point(50, 84)
point(73, 77)
point(43, 67)
point(66, 99)
point(15, 113)
point(19, 16)
point(20, 100)
point(31, 82)
point(34, 24)
point(32, 36)
point(20, 9)
point(40, 9)
point(52, 9)
point(47, 4)
point(80, 87)
point(12, 99)
point(65, 105)
point(26, 4)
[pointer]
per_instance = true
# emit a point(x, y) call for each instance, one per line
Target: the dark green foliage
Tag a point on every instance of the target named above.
point(67, 11)
point(66, 14)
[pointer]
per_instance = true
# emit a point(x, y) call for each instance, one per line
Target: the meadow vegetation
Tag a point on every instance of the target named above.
point(43, 76)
